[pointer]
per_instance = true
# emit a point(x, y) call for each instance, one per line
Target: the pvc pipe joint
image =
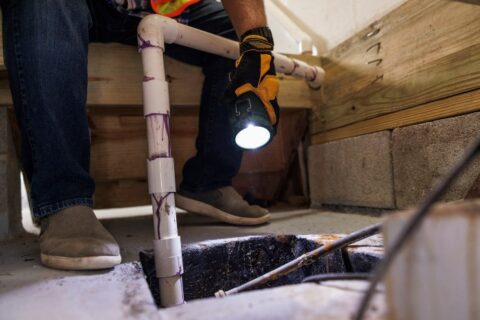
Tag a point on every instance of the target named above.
point(155, 96)
point(175, 32)
point(153, 32)
point(168, 257)
point(162, 173)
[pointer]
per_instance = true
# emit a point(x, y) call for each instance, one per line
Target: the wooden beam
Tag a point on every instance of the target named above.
point(2, 64)
point(115, 76)
point(119, 150)
point(119, 144)
point(121, 193)
point(421, 52)
point(444, 108)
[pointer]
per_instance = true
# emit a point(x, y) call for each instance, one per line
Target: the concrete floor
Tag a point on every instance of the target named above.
point(28, 290)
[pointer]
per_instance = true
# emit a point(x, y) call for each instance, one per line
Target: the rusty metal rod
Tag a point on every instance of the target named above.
point(304, 259)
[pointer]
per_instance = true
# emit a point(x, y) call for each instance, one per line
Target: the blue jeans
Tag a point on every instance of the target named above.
point(45, 49)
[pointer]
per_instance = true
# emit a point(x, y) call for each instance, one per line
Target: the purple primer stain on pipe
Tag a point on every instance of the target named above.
point(166, 129)
point(156, 156)
point(180, 267)
point(147, 78)
point(144, 44)
point(159, 203)
point(165, 134)
point(295, 66)
point(315, 73)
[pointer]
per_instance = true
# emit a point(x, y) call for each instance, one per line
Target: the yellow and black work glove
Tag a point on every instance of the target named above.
point(255, 71)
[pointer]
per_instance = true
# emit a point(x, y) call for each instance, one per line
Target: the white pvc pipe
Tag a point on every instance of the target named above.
point(204, 41)
point(161, 173)
point(153, 32)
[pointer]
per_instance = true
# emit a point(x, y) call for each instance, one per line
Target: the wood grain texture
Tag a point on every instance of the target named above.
point(115, 75)
point(2, 64)
point(115, 78)
point(119, 143)
point(119, 152)
point(444, 108)
point(421, 52)
point(121, 193)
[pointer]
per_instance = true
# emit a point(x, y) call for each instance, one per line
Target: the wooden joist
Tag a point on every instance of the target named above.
point(444, 108)
point(421, 52)
point(115, 77)
point(2, 64)
point(119, 150)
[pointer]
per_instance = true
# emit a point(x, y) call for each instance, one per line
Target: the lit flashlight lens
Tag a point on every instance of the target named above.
point(252, 137)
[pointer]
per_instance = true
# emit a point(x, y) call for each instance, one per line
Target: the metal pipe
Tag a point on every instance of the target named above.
point(153, 32)
point(304, 259)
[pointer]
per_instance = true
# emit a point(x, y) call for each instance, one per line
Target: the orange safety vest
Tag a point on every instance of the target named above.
point(171, 8)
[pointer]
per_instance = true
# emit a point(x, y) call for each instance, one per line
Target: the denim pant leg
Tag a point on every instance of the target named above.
point(45, 44)
point(217, 159)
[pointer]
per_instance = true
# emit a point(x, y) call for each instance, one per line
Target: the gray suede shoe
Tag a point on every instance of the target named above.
point(74, 239)
point(224, 204)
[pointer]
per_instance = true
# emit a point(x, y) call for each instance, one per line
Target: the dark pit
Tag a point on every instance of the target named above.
point(227, 263)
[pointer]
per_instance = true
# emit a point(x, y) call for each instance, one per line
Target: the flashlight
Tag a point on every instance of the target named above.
point(250, 124)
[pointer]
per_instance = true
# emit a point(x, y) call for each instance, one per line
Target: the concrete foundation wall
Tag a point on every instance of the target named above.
point(424, 153)
point(354, 172)
point(394, 168)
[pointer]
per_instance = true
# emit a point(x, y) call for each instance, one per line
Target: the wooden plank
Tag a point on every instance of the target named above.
point(444, 108)
point(119, 144)
point(420, 52)
point(115, 77)
point(2, 64)
point(119, 148)
point(121, 193)
point(119, 151)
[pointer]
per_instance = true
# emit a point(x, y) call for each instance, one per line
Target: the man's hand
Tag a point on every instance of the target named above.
point(255, 71)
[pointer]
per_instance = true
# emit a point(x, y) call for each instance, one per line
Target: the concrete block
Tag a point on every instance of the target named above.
point(423, 153)
point(355, 171)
